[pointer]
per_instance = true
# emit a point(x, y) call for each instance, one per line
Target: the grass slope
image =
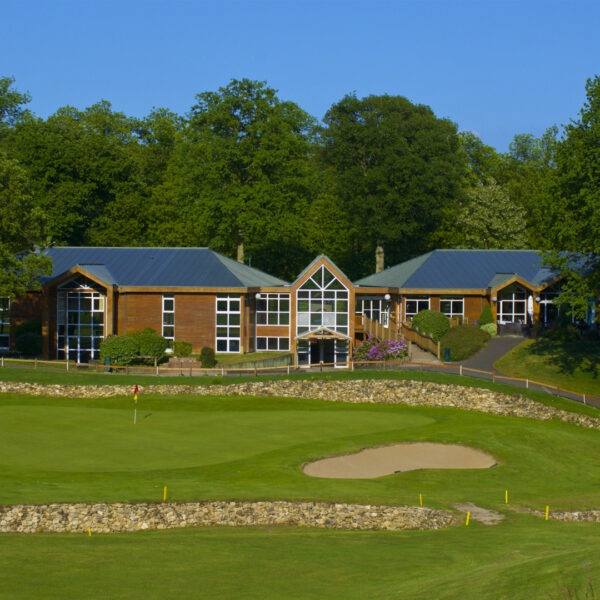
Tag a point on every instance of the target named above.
point(61, 449)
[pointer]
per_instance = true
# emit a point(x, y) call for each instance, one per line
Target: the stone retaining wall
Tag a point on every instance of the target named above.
point(413, 393)
point(123, 517)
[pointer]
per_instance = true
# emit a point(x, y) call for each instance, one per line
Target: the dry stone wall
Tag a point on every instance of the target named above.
point(123, 517)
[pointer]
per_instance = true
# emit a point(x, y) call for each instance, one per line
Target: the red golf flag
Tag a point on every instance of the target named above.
point(135, 393)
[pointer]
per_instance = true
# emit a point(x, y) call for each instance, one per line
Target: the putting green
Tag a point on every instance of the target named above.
point(97, 440)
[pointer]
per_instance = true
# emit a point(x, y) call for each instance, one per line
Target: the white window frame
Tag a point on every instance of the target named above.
point(228, 324)
point(452, 300)
point(423, 303)
point(168, 314)
point(272, 344)
point(271, 309)
point(72, 316)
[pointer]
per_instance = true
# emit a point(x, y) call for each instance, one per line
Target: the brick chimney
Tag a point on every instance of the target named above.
point(379, 259)
point(240, 246)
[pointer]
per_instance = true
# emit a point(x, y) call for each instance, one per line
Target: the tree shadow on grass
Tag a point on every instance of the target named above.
point(569, 349)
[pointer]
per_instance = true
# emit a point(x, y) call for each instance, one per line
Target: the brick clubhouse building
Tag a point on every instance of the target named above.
point(199, 296)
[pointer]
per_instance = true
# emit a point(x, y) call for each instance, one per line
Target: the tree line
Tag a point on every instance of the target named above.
point(256, 177)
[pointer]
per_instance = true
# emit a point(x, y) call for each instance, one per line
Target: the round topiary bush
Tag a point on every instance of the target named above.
point(207, 357)
point(464, 341)
point(432, 323)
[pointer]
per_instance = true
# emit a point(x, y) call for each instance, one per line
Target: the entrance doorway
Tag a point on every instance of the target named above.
point(322, 351)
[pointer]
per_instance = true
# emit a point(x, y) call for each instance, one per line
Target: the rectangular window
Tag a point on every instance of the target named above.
point(452, 306)
point(4, 323)
point(272, 344)
point(168, 316)
point(273, 309)
point(228, 317)
point(415, 304)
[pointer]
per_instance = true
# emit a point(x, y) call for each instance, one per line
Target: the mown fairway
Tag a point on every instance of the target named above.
point(253, 448)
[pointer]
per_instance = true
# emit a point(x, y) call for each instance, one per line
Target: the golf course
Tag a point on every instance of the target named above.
point(186, 447)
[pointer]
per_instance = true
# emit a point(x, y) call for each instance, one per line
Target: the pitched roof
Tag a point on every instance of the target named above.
point(159, 267)
point(463, 269)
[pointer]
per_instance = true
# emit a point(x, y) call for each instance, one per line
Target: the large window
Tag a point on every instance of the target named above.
point(80, 313)
point(273, 309)
point(168, 316)
point(512, 305)
point(452, 306)
point(322, 303)
point(375, 308)
point(272, 344)
point(4, 323)
point(228, 333)
point(415, 304)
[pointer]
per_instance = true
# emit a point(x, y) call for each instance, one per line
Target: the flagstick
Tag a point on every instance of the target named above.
point(135, 413)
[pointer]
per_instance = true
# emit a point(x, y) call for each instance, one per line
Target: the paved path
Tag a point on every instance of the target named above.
point(497, 347)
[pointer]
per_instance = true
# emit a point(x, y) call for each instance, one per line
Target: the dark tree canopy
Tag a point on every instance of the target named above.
point(396, 168)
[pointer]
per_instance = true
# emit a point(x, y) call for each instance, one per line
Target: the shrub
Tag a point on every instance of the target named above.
point(119, 349)
point(29, 343)
point(432, 323)
point(490, 328)
point(372, 349)
point(464, 341)
point(207, 357)
point(151, 346)
point(182, 349)
point(486, 315)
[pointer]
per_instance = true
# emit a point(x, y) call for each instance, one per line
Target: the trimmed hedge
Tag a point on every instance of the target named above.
point(120, 350)
point(182, 349)
point(432, 323)
point(464, 341)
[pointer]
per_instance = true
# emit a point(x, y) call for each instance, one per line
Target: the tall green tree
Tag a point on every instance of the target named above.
point(490, 219)
point(576, 210)
point(21, 228)
point(527, 174)
point(240, 174)
point(78, 162)
point(396, 168)
point(12, 105)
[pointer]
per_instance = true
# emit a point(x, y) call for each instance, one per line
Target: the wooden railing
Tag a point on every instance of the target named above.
point(376, 329)
point(424, 342)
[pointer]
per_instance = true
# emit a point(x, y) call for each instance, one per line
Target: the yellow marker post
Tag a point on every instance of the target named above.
point(89, 532)
point(547, 512)
point(506, 496)
point(420, 499)
point(468, 520)
point(165, 494)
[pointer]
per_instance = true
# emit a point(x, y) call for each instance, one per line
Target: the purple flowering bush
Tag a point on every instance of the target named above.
point(374, 350)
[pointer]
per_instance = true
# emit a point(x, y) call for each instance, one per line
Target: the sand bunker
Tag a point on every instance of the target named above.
point(377, 462)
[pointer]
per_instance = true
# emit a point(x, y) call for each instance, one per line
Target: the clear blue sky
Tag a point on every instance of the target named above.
point(494, 67)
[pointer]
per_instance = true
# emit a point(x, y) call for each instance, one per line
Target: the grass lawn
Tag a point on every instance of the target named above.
point(521, 559)
point(560, 360)
point(60, 449)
